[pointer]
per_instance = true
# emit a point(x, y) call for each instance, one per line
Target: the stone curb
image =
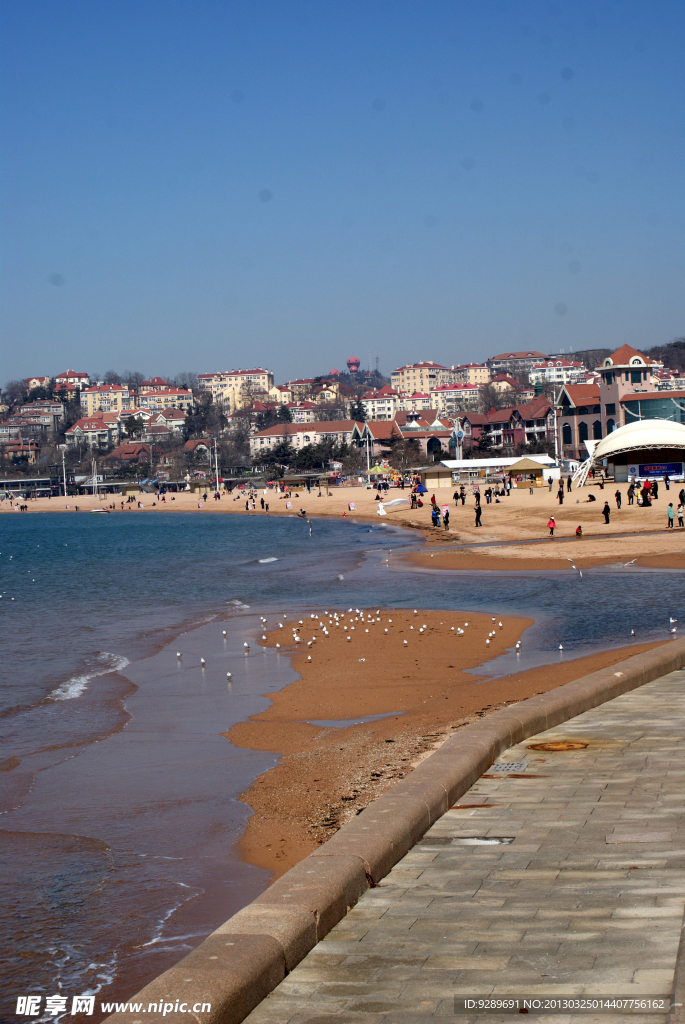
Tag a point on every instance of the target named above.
point(244, 959)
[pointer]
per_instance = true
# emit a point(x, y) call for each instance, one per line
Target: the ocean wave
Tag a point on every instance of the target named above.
point(263, 560)
point(75, 686)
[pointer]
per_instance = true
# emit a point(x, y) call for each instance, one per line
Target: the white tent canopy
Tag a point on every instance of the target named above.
point(643, 434)
point(497, 463)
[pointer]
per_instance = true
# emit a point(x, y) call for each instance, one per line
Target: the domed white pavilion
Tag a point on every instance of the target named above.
point(646, 449)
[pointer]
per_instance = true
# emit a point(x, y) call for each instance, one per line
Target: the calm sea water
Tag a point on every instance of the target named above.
point(119, 793)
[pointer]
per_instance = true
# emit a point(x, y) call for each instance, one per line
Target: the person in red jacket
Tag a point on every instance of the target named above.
point(551, 524)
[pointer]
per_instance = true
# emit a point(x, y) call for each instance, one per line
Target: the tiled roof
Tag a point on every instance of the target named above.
point(623, 355)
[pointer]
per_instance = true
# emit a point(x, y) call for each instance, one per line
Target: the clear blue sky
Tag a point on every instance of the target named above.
point(208, 185)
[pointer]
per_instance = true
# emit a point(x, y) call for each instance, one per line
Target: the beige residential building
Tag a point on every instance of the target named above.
point(167, 398)
point(471, 373)
point(235, 389)
point(420, 377)
point(106, 398)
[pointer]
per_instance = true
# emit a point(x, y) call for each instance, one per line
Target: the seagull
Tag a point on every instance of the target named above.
point(178, 654)
point(671, 619)
point(224, 632)
point(246, 645)
point(405, 642)
point(310, 527)
point(280, 625)
point(487, 643)
point(632, 632)
point(674, 630)
point(561, 647)
point(202, 662)
point(309, 657)
point(349, 637)
point(278, 645)
point(228, 675)
point(629, 563)
point(415, 612)
point(500, 625)
point(340, 576)
point(263, 636)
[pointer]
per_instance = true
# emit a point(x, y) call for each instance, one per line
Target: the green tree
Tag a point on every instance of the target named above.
point(284, 415)
point(204, 420)
point(134, 426)
point(358, 412)
point(485, 444)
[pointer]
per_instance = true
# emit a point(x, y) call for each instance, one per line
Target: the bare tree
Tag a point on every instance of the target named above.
point(185, 380)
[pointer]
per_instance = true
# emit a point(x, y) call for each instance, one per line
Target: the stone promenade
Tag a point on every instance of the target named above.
point(560, 873)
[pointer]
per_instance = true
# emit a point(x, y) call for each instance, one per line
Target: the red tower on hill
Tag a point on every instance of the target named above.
point(353, 364)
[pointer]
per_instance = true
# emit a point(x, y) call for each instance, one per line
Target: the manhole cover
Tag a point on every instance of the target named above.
point(559, 745)
point(508, 766)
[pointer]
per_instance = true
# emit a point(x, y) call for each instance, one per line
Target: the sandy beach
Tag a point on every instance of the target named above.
point(328, 774)
point(633, 532)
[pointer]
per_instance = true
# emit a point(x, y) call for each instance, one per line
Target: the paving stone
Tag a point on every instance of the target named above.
point(561, 910)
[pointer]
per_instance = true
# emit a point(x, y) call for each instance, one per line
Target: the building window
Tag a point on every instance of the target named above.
point(635, 376)
point(597, 430)
point(566, 434)
point(610, 409)
point(611, 425)
point(582, 431)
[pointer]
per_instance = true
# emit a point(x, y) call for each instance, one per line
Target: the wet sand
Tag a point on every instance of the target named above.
point(610, 552)
point(328, 774)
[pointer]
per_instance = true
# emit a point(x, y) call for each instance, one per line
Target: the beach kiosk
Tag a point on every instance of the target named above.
point(531, 471)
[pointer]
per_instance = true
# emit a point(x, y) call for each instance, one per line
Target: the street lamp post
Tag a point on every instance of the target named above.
point(64, 471)
point(216, 465)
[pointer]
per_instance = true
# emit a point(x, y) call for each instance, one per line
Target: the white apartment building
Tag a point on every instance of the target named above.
point(416, 402)
point(301, 435)
point(557, 371)
point(106, 398)
point(450, 399)
point(235, 389)
point(514, 362)
point(381, 404)
point(420, 377)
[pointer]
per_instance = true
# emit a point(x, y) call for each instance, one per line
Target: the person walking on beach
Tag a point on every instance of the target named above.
point(550, 481)
point(462, 494)
point(667, 481)
point(568, 483)
point(679, 512)
point(681, 496)
point(456, 499)
point(479, 512)
point(670, 514)
point(606, 512)
point(551, 524)
point(446, 518)
point(560, 494)
point(618, 500)
point(655, 489)
point(631, 494)
point(435, 516)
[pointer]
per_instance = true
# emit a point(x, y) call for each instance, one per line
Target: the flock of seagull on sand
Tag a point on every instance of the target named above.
point(366, 619)
point(353, 615)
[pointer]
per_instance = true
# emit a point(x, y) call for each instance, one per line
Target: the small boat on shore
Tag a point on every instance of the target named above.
point(104, 511)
